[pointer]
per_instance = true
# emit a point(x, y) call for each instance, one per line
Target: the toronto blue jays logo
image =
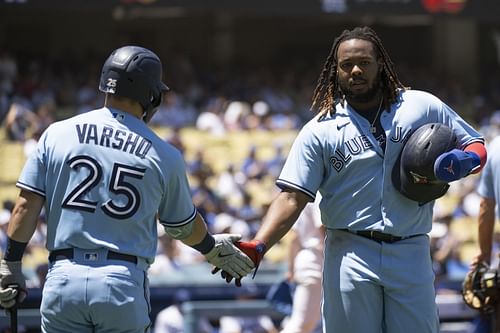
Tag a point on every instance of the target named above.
point(418, 179)
point(450, 169)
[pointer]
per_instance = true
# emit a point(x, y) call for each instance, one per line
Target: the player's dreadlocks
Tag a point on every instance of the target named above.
point(327, 92)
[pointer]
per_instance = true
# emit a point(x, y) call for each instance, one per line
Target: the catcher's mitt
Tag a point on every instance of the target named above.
point(480, 288)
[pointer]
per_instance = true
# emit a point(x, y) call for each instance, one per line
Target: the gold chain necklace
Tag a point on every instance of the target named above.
point(373, 128)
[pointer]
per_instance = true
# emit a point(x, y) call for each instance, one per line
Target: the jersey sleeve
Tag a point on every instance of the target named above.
point(486, 186)
point(34, 173)
point(303, 169)
point(465, 133)
point(177, 207)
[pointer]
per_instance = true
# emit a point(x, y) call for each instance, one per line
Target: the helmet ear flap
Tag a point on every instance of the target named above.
point(155, 101)
point(156, 98)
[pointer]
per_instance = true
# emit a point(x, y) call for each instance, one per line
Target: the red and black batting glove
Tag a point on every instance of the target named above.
point(254, 249)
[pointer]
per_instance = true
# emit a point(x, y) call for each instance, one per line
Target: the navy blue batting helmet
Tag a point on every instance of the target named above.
point(136, 73)
point(413, 172)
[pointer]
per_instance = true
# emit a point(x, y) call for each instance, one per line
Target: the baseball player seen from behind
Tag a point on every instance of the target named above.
point(105, 179)
point(489, 191)
point(377, 274)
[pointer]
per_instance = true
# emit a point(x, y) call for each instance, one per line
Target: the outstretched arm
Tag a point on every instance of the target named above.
point(281, 215)
point(219, 249)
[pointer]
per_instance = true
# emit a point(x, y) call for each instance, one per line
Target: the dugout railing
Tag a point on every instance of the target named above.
point(451, 309)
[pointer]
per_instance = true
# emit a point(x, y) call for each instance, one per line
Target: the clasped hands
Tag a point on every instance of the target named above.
point(235, 259)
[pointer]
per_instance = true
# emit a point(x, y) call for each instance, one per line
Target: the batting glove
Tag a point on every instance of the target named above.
point(227, 257)
point(12, 283)
point(455, 165)
point(255, 250)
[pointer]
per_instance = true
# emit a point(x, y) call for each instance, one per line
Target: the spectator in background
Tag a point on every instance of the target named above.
point(211, 119)
point(249, 212)
point(252, 167)
point(6, 210)
point(45, 112)
point(171, 257)
point(29, 146)
point(247, 324)
point(87, 98)
point(175, 139)
point(171, 319)
point(20, 121)
point(229, 185)
point(174, 112)
point(8, 76)
point(198, 166)
point(305, 269)
point(235, 114)
point(5, 213)
point(275, 164)
point(8, 72)
point(441, 242)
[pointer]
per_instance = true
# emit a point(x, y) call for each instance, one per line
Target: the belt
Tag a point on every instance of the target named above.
point(379, 236)
point(69, 254)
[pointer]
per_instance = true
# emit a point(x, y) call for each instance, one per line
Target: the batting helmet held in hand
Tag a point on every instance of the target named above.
point(413, 173)
point(136, 73)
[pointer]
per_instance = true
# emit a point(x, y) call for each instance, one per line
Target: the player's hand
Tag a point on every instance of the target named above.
point(12, 283)
point(478, 260)
point(455, 165)
point(227, 257)
point(255, 250)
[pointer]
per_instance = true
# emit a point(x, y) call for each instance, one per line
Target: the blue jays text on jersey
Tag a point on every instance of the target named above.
point(359, 144)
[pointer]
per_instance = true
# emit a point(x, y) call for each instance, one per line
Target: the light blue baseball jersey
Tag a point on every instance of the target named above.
point(340, 157)
point(489, 183)
point(105, 175)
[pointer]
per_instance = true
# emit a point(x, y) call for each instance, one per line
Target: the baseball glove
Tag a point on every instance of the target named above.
point(480, 288)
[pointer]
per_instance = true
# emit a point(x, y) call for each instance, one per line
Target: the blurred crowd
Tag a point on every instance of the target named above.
point(36, 92)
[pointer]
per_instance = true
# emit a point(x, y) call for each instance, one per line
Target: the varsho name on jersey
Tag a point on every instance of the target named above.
point(125, 141)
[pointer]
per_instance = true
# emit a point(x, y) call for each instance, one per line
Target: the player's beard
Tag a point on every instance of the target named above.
point(365, 97)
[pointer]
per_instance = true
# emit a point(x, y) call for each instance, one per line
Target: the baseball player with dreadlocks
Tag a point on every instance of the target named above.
point(377, 268)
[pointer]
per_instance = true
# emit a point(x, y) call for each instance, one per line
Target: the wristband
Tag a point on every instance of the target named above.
point(205, 245)
point(15, 250)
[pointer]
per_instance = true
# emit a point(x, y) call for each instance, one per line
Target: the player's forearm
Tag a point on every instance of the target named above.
point(281, 216)
point(198, 233)
point(24, 216)
point(486, 219)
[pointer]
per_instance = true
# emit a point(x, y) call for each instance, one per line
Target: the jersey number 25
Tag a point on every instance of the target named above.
point(117, 185)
